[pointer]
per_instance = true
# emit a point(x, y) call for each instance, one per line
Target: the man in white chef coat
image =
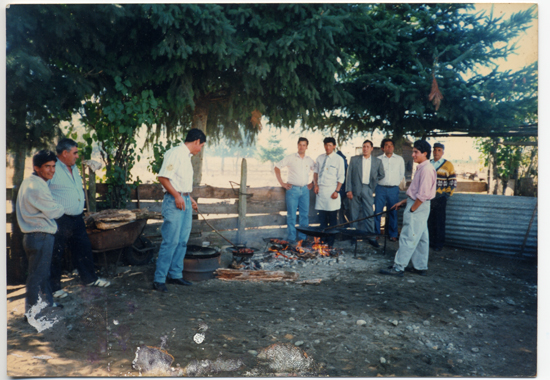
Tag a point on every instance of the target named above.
point(328, 177)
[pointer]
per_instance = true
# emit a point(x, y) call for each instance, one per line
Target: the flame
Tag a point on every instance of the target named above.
point(321, 248)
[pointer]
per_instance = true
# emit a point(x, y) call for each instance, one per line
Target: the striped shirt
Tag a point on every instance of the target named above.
point(67, 189)
point(35, 207)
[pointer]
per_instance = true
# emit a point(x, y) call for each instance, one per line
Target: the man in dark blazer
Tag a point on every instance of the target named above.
point(364, 172)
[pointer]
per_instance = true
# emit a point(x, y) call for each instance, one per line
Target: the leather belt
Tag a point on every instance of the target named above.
point(388, 186)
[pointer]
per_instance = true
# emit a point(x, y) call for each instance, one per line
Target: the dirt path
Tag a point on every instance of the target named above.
point(473, 315)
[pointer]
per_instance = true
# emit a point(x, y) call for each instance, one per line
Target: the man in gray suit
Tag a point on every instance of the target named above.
point(363, 175)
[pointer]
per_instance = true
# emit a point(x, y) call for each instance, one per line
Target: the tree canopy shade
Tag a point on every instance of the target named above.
point(220, 67)
point(403, 51)
point(221, 63)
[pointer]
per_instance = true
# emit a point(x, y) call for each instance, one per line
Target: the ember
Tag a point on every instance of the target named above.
point(303, 250)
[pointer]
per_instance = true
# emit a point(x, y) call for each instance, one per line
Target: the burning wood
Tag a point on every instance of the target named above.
point(256, 275)
point(316, 249)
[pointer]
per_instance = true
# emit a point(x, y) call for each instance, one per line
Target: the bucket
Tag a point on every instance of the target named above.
point(200, 263)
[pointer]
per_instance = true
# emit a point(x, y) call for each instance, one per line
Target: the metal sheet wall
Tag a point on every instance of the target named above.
point(489, 223)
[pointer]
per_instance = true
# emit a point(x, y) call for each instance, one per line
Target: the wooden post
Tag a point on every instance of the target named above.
point(528, 229)
point(242, 204)
point(91, 191)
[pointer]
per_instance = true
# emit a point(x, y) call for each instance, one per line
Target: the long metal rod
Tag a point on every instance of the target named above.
point(215, 230)
point(355, 221)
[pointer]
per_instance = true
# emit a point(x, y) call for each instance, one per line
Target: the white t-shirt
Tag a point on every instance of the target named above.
point(177, 167)
point(298, 168)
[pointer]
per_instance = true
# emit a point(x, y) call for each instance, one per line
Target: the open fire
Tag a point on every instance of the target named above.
point(280, 252)
point(302, 250)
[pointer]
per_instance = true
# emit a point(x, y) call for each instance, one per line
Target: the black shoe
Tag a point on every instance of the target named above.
point(160, 286)
point(57, 305)
point(178, 281)
point(392, 272)
point(417, 271)
point(374, 243)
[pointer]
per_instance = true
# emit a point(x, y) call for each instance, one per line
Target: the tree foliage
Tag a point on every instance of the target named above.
point(273, 153)
point(400, 49)
point(221, 67)
point(509, 161)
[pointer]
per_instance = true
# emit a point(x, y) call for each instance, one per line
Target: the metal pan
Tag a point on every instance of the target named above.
point(333, 230)
point(316, 231)
point(235, 250)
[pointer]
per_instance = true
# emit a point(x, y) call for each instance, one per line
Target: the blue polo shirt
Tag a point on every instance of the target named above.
point(67, 189)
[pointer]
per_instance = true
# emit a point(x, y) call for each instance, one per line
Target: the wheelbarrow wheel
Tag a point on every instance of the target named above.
point(141, 252)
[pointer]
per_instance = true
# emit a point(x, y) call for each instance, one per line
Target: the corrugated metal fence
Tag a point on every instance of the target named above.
point(490, 223)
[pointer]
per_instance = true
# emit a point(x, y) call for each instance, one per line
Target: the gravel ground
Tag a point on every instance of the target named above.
point(473, 315)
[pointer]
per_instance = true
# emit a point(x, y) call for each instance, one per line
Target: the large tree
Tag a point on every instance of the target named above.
point(417, 70)
point(226, 65)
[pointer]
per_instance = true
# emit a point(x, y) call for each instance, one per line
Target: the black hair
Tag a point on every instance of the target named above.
point(195, 134)
point(424, 147)
point(303, 139)
point(368, 141)
point(329, 140)
point(385, 141)
point(65, 144)
point(43, 156)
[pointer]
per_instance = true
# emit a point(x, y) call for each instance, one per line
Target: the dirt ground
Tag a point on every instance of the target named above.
point(474, 315)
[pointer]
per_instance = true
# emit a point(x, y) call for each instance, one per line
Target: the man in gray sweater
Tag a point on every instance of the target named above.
point(36, 211)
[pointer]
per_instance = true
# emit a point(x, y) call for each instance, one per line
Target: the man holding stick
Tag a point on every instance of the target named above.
point(176, 178)
point(414, 240)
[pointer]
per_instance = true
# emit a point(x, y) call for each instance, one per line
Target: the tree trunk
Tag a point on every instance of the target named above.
point(398, 137)
point(17, 260)
point(200, 117)
point(223, 160)
point(19, 166)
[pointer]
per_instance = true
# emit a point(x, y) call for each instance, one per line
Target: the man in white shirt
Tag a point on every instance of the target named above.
point(387, 190)
point(176, 177)
point(364, 172)
point(328, 177)
point(297, 188)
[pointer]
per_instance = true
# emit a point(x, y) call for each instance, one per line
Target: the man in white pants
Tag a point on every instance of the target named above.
point(414, 241)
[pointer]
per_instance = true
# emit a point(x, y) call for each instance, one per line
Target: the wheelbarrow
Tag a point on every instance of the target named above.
point(126, 238)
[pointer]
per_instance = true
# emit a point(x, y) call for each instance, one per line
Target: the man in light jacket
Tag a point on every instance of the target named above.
point(364, 172)
point(36, 213)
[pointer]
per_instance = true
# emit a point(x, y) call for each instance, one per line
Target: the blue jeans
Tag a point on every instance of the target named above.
point(297, 198)
point(175, 231)
point(38, 247)
point(386, 196)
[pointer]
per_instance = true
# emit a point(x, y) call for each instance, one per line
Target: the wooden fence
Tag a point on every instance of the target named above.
point(237, 208)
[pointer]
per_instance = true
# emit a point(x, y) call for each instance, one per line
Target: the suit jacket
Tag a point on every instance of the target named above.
point(354, 178)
